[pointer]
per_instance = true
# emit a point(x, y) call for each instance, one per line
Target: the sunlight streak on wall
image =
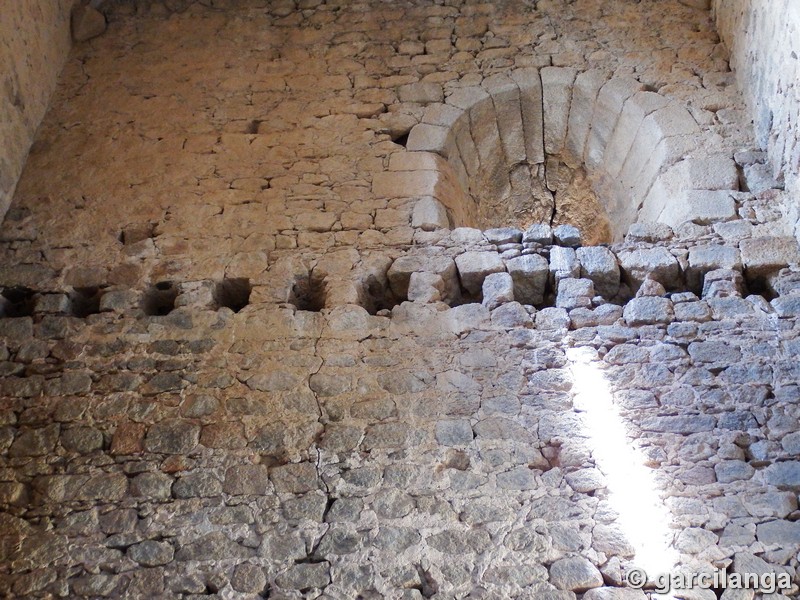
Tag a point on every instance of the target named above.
point(632, 488)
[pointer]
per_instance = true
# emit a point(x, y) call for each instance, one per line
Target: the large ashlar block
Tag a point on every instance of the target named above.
point(474, 267)
point(466, 146)
point(671, 120)
point(530, 88)
point(654, 263)
point(600, 266)
point(766, 255)
point(399, 274)
point(584, 93)
point(423, 175)
point(667, 153)
point(508, 110)
point(607, 109)
point(699, 206)
point(556, 95)
point(706, 258)
point(636, 108)
point(529, 273)
point(712, 173)
point(485, 133)
point(429, 138)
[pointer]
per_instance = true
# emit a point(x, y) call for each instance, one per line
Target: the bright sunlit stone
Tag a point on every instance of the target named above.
point(632, 488)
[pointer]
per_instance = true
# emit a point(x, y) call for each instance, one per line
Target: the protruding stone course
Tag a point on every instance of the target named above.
point(280, 367)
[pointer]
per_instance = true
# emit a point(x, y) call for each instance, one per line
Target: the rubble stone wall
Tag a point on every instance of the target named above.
point(34, 42)
point(764, 43)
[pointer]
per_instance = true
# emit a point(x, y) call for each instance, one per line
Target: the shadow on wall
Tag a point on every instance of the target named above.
point(560, 146)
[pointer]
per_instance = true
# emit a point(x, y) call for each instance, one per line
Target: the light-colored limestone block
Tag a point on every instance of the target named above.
point(556, 95)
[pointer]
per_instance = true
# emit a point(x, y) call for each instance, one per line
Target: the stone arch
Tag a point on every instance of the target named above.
point(560, 145)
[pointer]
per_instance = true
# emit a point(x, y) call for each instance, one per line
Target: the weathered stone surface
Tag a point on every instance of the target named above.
point(498, 288)
point(212, 546)
point(762, 256)
point(648, 310)
point(655, 263)
point(529, 273)
point(151, 554)
point(575, 574)
point(172, 436)
point(430, 214)
point(289, 424)
point(473, 268)
point(423, 92)
point(600, 265)
point(574, 293)
point(564, 264)
point(400, 272)
point(567, 235)
point(87, 22)
point(249, 578)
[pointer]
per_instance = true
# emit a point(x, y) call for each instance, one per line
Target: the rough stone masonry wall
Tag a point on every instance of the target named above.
point(34, 43)
point(764, 41)
point(234, 366)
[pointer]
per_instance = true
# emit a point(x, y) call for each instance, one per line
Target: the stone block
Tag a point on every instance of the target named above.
point(564, 264)
point(498, 288)
point(429, 138)
point(705, 258)
point(722, 283)
point(429, 214)
point(426, 287)
point(648, 310)
point(422, 92)
point(575, 574)
point(766, 255)
point(399, 274)
point(584, 92)
point(699, 206)
point(506, 99)
point(538, 233)
point(636, 108)
point(600, 266)
point(552, 318)
point(556, 95)
point(655, 263)
point(567, 235)
point(530, 85)
point(606, 112)
point(503, 235)
point(474, 266)
point(529, 273)
point(574, 293)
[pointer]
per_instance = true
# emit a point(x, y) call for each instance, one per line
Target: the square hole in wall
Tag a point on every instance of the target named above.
point(159, 299)
point(233, 293)
point(17, 302)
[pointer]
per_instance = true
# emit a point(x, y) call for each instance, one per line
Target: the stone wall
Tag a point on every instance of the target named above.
point(34, 41)
point(764, 42)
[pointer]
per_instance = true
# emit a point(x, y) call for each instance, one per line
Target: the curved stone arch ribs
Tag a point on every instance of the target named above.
point(560, 145)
